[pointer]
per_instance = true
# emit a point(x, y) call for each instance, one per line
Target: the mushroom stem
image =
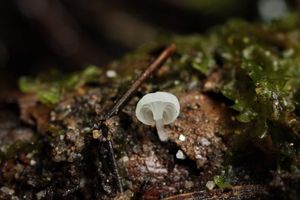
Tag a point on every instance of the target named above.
point(163, 136)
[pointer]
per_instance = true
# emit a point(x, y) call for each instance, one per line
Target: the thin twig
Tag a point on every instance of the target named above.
point(115, 165)
point(141, 79)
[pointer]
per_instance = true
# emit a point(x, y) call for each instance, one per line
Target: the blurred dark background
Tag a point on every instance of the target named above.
point(38, 35)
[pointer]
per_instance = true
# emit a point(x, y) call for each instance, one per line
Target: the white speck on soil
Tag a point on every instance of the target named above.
point(111, 73)
point(210, 185)
point(180, 155)
point(154, 166)
point(182, 138)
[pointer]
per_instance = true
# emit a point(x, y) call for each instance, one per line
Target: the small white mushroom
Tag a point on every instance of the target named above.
point(158, 109)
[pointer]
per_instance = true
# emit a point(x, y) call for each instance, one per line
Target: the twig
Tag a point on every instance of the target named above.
point(115, 166)
point(109, 144)
point(141, 79)
point(237, 192)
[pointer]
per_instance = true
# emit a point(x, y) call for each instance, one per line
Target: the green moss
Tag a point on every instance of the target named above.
point(264, 81)
point(221, 183)
point(51, 86)
point(261, 70)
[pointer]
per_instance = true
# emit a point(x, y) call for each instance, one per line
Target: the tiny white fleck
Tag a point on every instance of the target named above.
point(198, 60)
point(182, 138)
point(29, 155)
point(180, 155)
point(125, 159)
point(61, 137)
point(111, 73)
point(204, 142)
point(199, 156)
point(32, 162)
point(82, 182)
point(210, 185)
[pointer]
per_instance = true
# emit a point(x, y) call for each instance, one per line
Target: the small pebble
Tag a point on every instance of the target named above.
point(96, 134)
point(204, 142)
point(125, 159)
point(32, 162)
point(61, 137)
point(210, 185)
point(7, 190)
point(180, 155)
point(41, 195)
point(188, 184)
point(182, 138)
point(176, 82)
point(111, 73)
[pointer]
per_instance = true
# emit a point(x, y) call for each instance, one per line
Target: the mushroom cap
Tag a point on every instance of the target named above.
point(158, 105)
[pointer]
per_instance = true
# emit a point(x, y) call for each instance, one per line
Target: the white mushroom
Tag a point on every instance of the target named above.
point(158, 109)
